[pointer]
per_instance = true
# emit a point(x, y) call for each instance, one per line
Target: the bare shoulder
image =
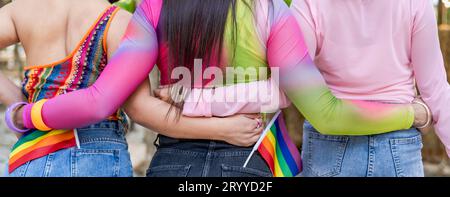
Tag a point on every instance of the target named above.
point(120, 21)
point(7, 9)
point(23, 4)
point(14, 6)
point(8, 33)
point(122, 17)
point(117, 30)
point(31, 11)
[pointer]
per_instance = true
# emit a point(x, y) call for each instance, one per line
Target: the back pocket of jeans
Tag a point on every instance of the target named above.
point(238, 171)
point(323, 154)
point(407, 156)
point(95, 163)
point(169, 171)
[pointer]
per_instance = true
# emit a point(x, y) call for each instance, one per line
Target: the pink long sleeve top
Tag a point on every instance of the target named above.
point(375, 50)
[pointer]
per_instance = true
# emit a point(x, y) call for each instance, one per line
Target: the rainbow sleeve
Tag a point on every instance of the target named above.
point(306, 88)
point(127, 69)
point(308, 91)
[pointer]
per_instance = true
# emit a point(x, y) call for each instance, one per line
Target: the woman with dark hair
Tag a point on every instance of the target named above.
point(97, 148)
point(252, 34)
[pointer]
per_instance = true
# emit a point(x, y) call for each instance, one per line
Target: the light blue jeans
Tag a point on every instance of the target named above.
point(394, 154)
point(103, 152)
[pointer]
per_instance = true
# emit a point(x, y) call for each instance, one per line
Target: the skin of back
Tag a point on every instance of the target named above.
point(56, 27)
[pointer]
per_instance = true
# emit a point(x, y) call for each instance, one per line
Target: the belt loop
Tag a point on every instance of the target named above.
point(156, 142)
point(77, 139)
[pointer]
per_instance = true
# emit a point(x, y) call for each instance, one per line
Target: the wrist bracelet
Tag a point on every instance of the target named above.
point(26, 116)
point(429, 115)
point(12, 109)
point(36, 116)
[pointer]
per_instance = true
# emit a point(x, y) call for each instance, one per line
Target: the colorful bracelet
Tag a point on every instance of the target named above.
point(27, 116)
point(36, 116)
point(12, 109)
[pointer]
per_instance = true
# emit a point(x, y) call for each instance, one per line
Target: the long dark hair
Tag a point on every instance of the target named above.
point(194, 29)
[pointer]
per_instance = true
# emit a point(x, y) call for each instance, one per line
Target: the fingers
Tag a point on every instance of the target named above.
point(256, 119)
point(247, 139)
point(253, 139)
point(252, 116)
point(162, 94)
point(255, 125)
point(259, 130)
point(157, 93)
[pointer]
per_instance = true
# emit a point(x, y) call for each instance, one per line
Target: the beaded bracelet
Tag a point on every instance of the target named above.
point(12, 109)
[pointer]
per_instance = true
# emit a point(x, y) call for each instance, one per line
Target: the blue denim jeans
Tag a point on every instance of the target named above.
point(103, 152)
point(202, 158)
point(394, 154)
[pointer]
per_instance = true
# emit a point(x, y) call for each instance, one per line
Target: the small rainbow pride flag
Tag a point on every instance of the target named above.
point(278, 150)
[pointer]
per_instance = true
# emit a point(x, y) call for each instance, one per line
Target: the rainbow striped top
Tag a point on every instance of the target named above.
point(77, 71)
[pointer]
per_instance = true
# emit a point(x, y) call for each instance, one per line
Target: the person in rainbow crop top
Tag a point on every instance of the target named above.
point(80, 152)
point(259, 34)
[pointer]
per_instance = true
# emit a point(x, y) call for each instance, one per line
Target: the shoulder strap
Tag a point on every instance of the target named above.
point(114, 11)
point(94, 26)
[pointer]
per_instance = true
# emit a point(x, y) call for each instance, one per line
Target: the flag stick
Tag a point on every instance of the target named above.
point(267, 129)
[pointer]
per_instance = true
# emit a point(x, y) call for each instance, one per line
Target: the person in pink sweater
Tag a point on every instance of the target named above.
point(374, 50)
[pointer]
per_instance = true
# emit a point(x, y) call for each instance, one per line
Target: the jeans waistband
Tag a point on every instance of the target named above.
point(197, 145)
point(107, 130)
point(396, 133)
point(106, 124)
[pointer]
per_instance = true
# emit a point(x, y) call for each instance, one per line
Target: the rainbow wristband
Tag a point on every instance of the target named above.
point(9, 117)
point(36, 116)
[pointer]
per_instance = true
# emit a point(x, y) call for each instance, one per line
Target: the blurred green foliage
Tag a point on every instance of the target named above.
point(288, 2)
point(128, 5)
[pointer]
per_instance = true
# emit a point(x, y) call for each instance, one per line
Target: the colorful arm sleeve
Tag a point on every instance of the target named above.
point(306, 87)
point(127, 69)
point(253, 97)
point(308, 91)
point(429, 70)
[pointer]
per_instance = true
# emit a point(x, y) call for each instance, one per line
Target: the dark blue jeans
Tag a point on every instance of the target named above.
point(203, 158)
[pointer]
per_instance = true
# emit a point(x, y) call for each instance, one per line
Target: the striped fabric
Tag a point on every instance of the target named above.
point(279, 151)
point(77, 71)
